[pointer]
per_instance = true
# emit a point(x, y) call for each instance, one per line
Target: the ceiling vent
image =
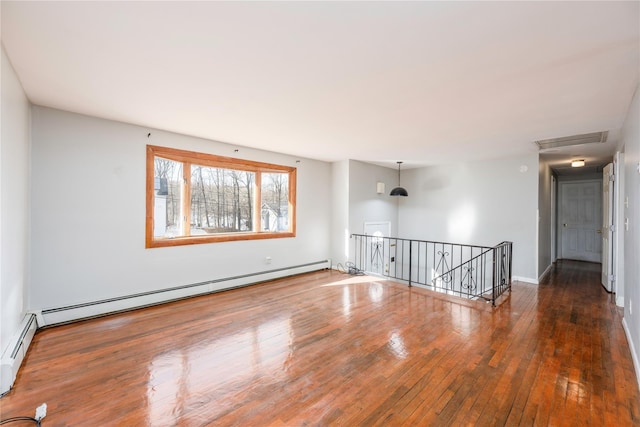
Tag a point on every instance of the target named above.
point(568, 141)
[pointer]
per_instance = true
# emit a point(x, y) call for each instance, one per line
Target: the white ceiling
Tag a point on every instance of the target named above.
point(423, 82)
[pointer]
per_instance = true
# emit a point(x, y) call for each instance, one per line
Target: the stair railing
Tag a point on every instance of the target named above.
point(468, 271)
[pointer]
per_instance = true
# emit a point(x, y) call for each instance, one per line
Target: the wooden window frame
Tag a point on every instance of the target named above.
point(189, 158)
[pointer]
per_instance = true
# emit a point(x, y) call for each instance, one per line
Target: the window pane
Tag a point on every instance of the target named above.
point(275, 201)
point(167, 215)
point(195, 198)
point(221, 200)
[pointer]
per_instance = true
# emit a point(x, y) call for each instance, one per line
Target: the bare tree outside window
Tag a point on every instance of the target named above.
point(200, 198)
point(221, 200)
point(167, 197)
point(275, 201)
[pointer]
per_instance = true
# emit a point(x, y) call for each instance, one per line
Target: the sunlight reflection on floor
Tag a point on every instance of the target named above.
point(356, 279)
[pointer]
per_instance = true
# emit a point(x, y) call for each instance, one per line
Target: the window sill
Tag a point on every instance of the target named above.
point(230, 237)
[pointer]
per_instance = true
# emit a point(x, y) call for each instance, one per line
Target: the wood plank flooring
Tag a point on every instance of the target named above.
point(330, 349)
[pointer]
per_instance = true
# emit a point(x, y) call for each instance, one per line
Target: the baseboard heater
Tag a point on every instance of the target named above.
point(16, 351)
point(59, 315)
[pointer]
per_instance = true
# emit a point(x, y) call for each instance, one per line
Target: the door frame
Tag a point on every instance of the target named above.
point(554, 219)
point(608, 227)
point(618, 222)
point(560, 209)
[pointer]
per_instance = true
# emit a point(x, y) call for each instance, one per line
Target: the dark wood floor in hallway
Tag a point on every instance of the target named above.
point(330, 349)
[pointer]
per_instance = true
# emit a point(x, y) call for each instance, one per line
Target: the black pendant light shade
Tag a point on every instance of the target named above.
point(399, 191)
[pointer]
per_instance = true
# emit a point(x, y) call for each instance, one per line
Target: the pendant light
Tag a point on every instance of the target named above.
point(399, 191)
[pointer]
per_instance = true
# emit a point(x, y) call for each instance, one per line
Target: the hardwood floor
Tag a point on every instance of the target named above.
point(331, 349)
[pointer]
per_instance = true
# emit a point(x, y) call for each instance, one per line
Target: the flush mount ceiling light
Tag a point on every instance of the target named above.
point(577, 163)
point(399, 191)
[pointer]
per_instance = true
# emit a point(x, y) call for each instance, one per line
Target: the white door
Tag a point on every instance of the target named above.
point(378, 250)
point(580, 219)
point(607, 226)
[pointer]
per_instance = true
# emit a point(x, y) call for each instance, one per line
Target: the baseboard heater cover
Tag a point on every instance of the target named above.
point(16, 351)
point(59, 315)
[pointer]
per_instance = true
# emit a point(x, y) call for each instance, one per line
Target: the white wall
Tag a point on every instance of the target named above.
point(355, 201)
point(340, 213)
point(631, 138)
point(545, 224)
point(365, 204)
point(482, 203)
point(88, 214)
point(14, 203)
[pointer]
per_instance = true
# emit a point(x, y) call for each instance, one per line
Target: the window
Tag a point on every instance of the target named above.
point(202, 198)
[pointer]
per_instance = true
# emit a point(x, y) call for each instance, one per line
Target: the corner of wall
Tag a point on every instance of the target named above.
point(545, 272)
point(16, 351)
point(14, 221)
point(525, 279)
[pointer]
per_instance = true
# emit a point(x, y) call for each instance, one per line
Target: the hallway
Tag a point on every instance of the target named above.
point(585, 347)
point(329, 349)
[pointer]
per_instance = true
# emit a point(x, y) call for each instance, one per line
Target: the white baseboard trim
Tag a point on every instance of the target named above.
point(525, 279)
point(59, 315)
point(632, 347)
point(619, 301)
point(545, 272)
point(16, 351)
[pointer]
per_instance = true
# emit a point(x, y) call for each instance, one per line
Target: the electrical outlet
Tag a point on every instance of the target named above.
point(41, 412)
point(267, 260)
point(630, 307)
